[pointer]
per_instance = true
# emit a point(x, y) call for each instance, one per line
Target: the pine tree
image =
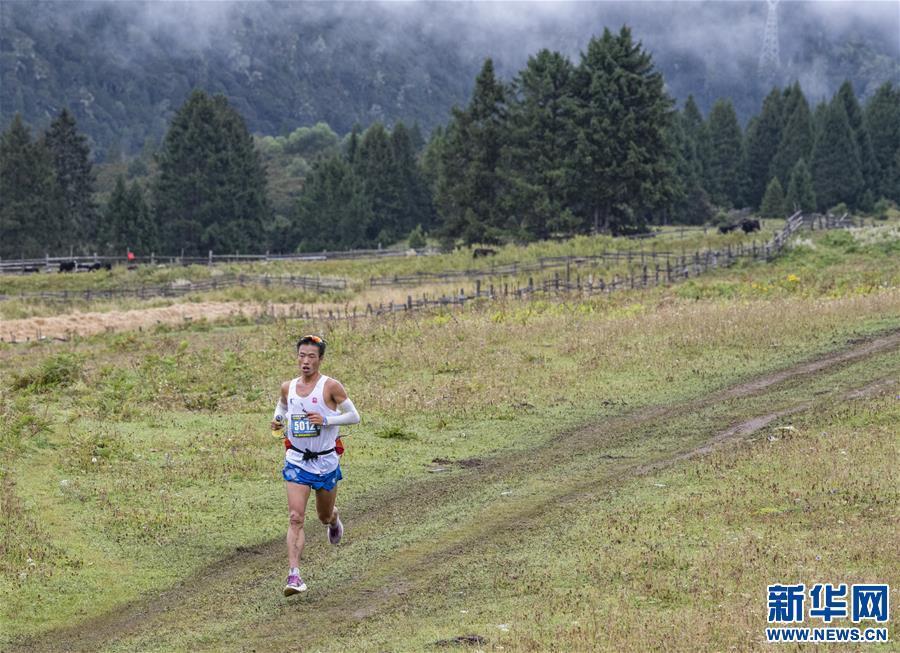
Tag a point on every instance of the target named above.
point(334, 211)
point(127, 223)
point(142, 236)
point(536, 161)
point(868, 165)
point(416, 205)
point(796, 138)
point(892, 179)
point(211, 188)
point(837, 176)
point(800, 195)
point(70, 155)
point(30, 200)
point(882, 118)
point(622, 158)
point(691, 204)
point(772, 205)
point(723, 175)
point(469, 181)
point(762, 143)
point(384, 186)
point(697, 134)
point(115, 215)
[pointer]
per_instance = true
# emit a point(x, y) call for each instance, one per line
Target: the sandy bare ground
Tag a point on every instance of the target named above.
point(383, 586)
point(63, 326)
point(90, 323)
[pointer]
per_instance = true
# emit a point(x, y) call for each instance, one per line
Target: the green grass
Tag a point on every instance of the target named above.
point(681, 559)
point(363, 269)
point(162, 443)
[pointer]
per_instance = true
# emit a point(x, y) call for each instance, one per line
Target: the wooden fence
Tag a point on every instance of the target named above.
point(651, 269)
point(309, 283)
point(51, 263)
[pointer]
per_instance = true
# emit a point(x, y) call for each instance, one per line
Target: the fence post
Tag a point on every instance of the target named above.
point(478, 287)
point(210, 257)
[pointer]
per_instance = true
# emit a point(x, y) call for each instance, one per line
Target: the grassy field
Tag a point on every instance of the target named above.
point(523, 472)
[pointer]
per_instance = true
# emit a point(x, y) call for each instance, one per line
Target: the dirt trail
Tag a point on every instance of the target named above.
point(389, 578)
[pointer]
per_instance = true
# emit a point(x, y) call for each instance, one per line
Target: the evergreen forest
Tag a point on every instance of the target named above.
point(562, 147)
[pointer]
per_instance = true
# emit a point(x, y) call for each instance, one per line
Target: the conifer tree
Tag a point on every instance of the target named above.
point(469, 182)
point(836, 169)
point(796, 138)
point(416, 205)
point(536, 163)
point(691, 204)
point(127, 224)
point(882, 118)
point(697, 135)
point(114, 216)
point(800, 195)
point(383, 183)
point(211, 188)
point(334, 211)
point(772, 205)
point(30, 200)
point(762, 143)
point(622, 158)
point(723, 175)
point(74, 173)
point(861, 137)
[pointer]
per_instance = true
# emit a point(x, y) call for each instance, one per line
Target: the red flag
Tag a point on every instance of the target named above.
point(130, 255)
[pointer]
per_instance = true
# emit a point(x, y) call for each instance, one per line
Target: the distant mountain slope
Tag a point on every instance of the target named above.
point(123, 68)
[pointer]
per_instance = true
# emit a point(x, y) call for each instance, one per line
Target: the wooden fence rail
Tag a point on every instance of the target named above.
point(313, 284)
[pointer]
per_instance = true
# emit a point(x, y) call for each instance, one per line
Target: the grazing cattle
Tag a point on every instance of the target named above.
point(485, 251)
point(727, 228)
point(67, 266)
point(750, 224)
point(99, 266)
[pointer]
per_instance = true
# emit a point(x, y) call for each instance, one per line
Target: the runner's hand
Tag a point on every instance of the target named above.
point(276, 425)
point(314, 418)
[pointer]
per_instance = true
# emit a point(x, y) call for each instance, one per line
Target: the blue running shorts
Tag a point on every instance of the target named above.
point(294, 474)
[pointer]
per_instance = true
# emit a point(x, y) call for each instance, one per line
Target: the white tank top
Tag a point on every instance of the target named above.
point(304, 435)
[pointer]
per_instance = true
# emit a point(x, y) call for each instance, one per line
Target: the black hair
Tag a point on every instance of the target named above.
point(313, 340)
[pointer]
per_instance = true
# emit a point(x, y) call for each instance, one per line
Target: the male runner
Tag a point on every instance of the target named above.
point(311, 409)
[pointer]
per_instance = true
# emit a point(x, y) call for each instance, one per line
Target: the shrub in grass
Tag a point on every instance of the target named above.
point(56, 371)
point(396, 433)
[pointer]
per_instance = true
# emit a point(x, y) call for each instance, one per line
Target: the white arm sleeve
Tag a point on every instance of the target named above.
point(280, 409)
point(348, 414)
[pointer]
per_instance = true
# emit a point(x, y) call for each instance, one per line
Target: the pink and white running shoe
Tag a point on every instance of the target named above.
point(294, 585)
point(335, 531)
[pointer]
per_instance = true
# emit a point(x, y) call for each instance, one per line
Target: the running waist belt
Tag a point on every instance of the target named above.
point(310, 455)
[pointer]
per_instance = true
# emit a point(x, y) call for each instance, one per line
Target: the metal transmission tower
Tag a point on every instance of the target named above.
point(769, 61)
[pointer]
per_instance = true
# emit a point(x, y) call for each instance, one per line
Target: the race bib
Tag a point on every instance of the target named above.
point(301, 427)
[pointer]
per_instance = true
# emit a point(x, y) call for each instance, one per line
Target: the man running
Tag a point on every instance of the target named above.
point(311, 409)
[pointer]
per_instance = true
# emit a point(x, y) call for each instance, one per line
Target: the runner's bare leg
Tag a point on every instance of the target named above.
point(298, 495)
point(325, 505)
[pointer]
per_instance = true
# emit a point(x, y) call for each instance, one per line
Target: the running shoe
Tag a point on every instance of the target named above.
point(335, 531)
point(294, 585)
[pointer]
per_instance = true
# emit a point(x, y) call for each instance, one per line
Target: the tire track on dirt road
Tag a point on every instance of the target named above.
point(398, 572)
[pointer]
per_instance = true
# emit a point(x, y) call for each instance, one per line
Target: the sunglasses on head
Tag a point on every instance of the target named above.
point(315, 339)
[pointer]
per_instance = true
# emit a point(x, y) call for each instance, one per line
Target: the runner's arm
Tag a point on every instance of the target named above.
point(280, 407)
point(345, 405)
